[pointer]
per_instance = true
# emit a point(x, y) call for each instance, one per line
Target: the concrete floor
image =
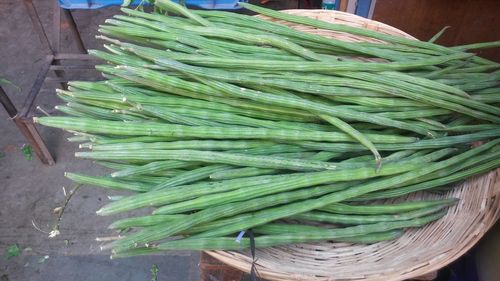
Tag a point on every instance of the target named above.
point(29, 191)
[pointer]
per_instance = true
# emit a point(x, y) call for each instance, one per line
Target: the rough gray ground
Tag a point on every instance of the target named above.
point(29, 191)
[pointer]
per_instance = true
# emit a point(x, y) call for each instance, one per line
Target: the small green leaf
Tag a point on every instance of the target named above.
point(66, 242)
point(2, 154)
point(43, 259)
point(12, 251)
point(154, 273)
point(126, 3)
point(5, 82)
point(27, 152)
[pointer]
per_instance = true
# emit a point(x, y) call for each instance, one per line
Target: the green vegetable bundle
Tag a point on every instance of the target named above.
point(219, 122)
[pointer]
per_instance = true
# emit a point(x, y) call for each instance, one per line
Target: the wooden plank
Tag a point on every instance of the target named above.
point(70, 25)
point(471, 21)
point(56, 23)
point(72, 67)
point(343, 5)
point(37, 25)
point(29, 102)
point(66, 56)
point(212, 269)
point(7, 103)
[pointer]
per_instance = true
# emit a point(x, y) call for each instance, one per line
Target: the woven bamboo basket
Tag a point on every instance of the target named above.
point(418, 252)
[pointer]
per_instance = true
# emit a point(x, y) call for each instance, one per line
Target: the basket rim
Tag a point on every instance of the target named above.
point(365, 21)
point(492, 191)
point(243, 261)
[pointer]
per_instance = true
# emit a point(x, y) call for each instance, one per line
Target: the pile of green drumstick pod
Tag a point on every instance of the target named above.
point(216, 123)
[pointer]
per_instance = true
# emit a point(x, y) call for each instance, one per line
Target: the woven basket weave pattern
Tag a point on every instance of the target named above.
point(417, 252)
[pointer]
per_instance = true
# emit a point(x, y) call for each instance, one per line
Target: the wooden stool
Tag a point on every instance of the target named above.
point(27, 128)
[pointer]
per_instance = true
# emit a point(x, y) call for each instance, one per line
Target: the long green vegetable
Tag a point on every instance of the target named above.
point(213, 123)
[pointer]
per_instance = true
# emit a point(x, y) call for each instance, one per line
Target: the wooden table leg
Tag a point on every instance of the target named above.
point(214, 270)
point(28, 129)
point(31, 134)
